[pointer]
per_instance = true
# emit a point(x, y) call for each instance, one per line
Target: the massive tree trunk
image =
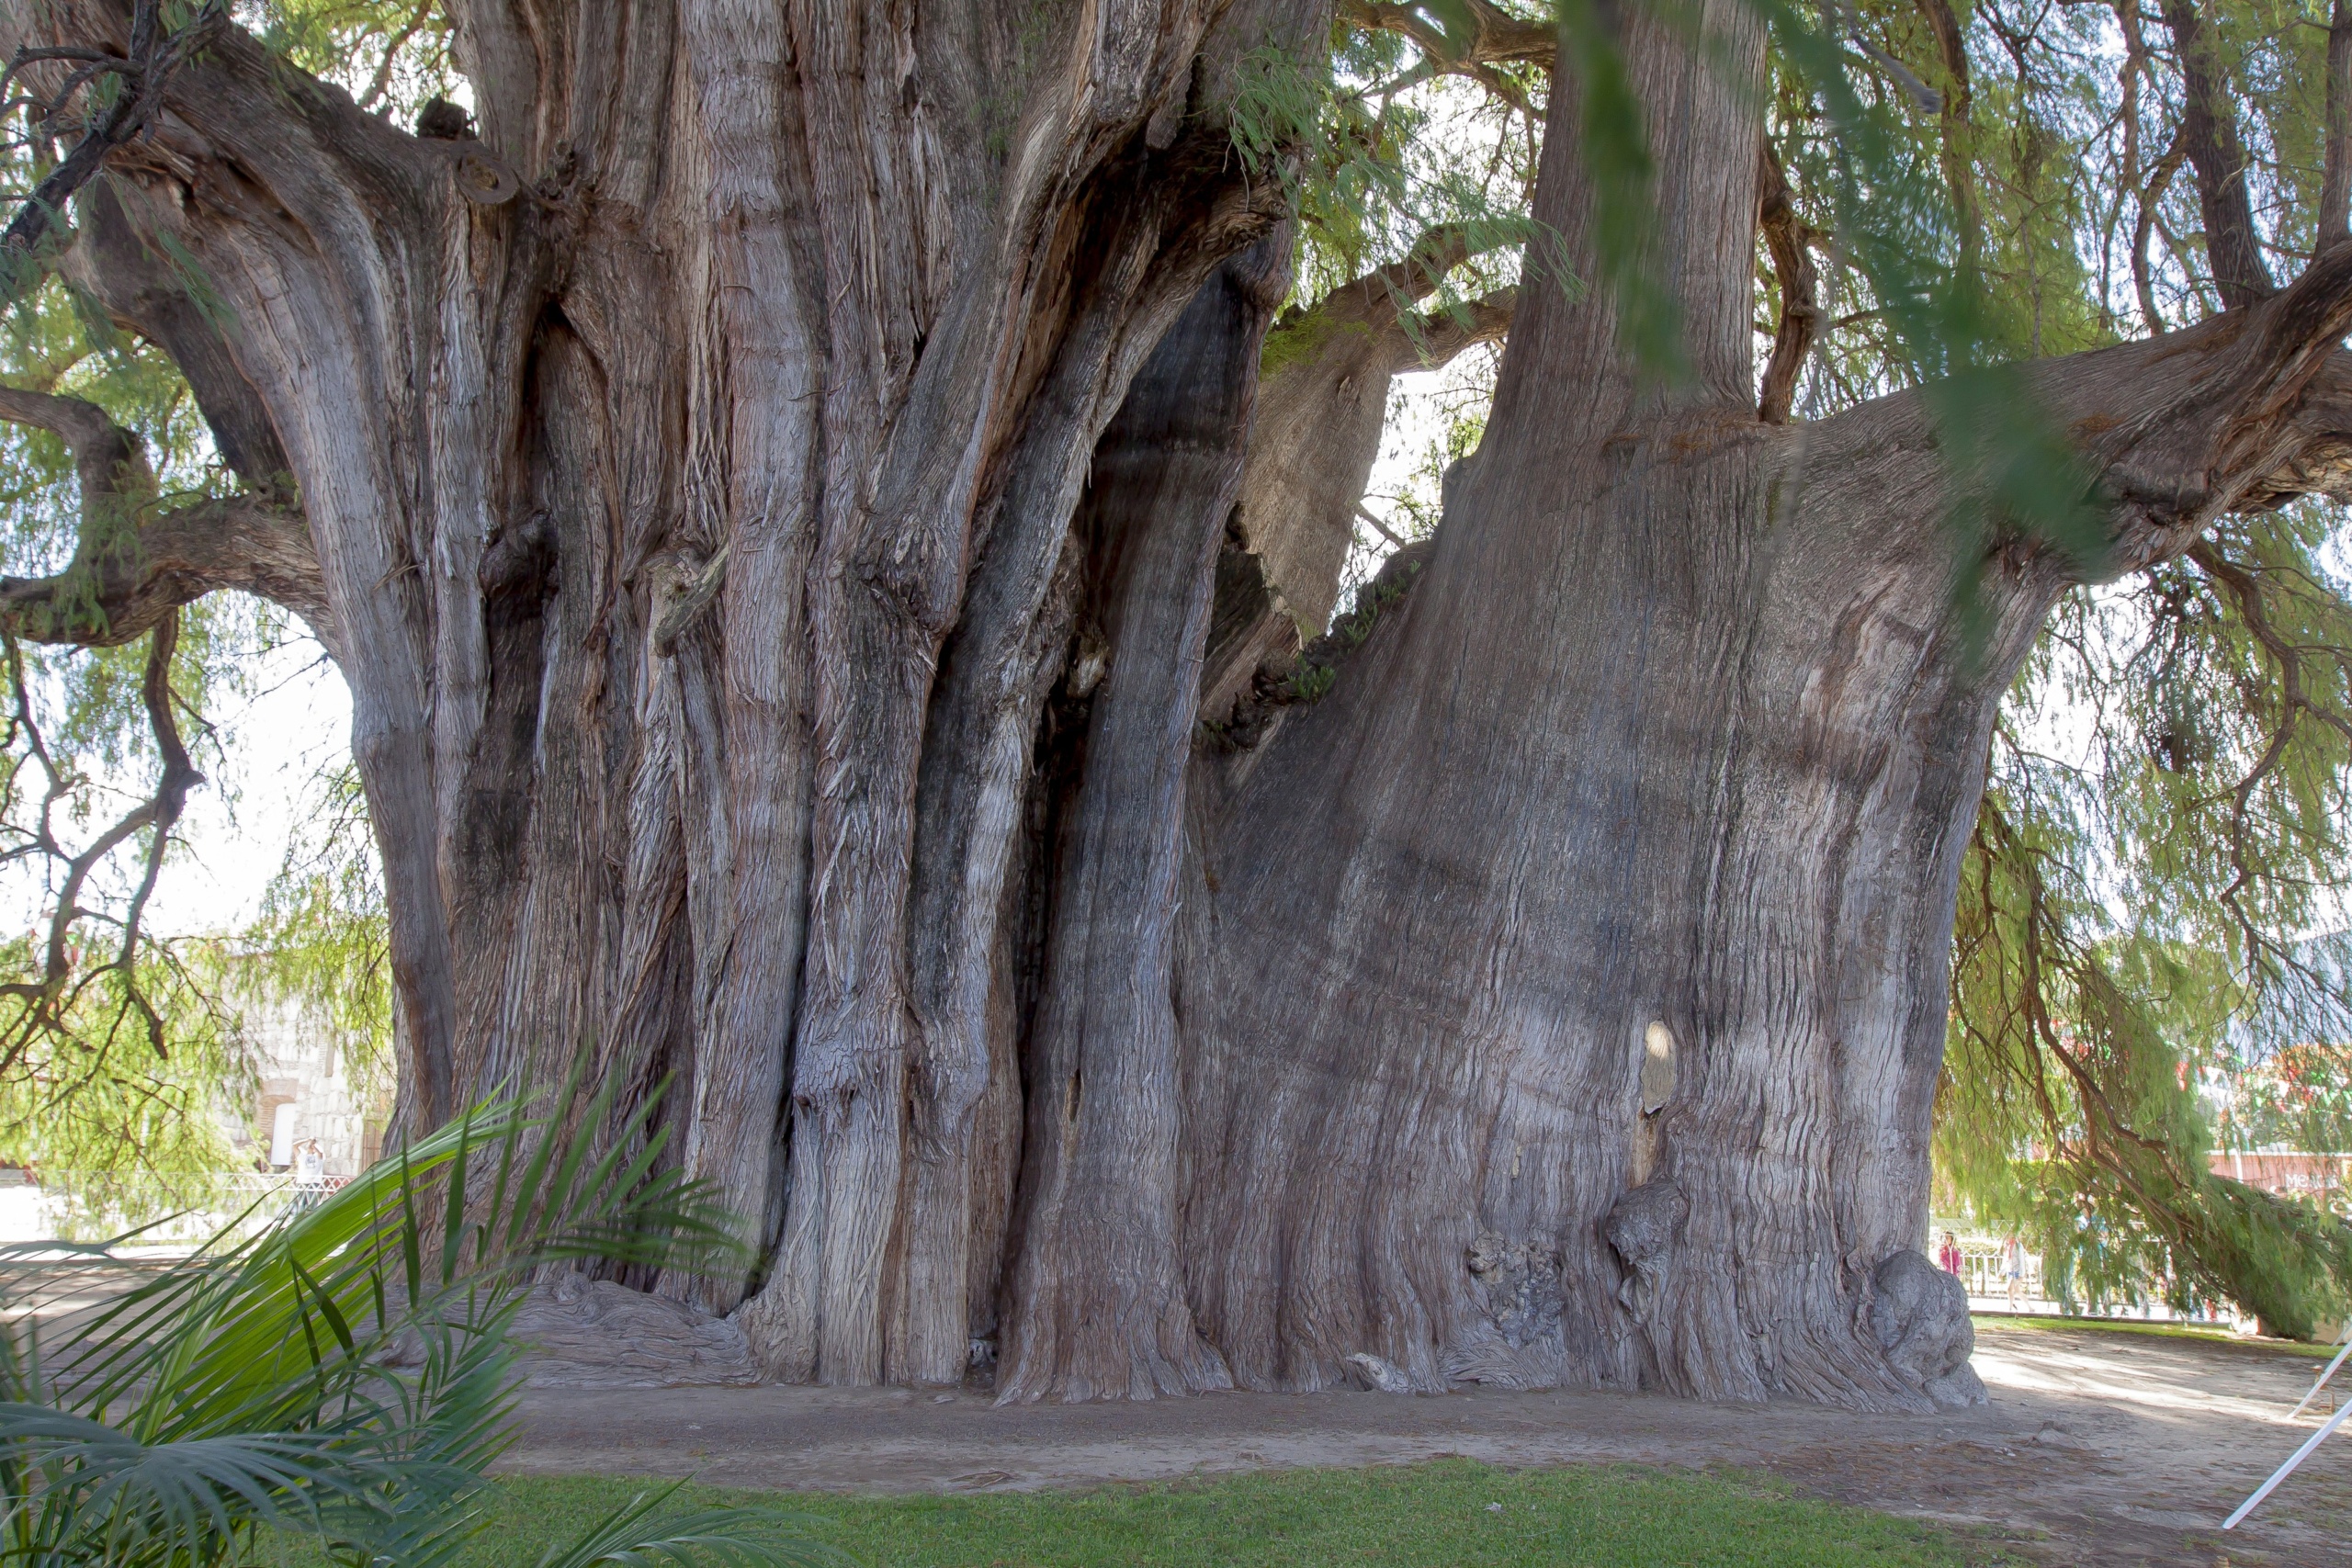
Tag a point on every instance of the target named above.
point(1669, 753)
point(778, 498)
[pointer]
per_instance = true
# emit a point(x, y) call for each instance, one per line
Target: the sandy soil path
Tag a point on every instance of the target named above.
point(2098, 1449)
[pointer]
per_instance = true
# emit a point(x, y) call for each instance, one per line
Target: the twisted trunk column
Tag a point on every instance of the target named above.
point(1097, 1291)
point(961, 403)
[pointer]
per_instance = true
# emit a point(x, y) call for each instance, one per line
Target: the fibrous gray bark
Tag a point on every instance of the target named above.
point(772, 494)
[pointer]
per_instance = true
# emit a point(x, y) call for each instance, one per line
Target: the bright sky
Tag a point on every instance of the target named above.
point(237, 824)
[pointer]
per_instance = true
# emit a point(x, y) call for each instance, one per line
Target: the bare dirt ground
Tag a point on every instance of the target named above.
point(2099, 1448)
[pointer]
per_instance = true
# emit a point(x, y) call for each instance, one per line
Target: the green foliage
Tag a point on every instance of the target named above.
point(637, 1535)
point(1368, 144)
point(95, 1096)
point(1318, 670)
point(2166, 815)
point(391, 55)
point(1896, 224)
point(1298, 338)
point(345, 1376)
point(322, 944)
point(1310, 682)
point(2301, 1097)
point(121, 1063)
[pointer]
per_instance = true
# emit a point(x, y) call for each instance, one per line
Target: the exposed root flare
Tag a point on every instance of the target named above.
point(1918, 1315)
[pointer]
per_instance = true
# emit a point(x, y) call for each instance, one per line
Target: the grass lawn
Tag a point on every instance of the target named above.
point(1998, 1321)
point(1452, 1514)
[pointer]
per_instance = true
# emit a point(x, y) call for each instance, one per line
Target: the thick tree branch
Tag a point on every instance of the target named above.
point(137, 558)
point(176, 558)
point(143, 73)
point(1372, 318)
point(1954, 106)
point(1434, 339)
point(2336, 168)
point(2210, 137)
point(2244, 412)
point(107, 459)
point(1381, 528)
point(1496, 37)
point(1384, 298)
point(110, 261)
point(1436, 253)
point(1789, 242)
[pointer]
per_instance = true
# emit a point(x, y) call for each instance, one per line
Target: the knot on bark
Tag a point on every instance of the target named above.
point(1383, 1375)
point(1641, 1228)
point(682, 595)
point(1519, 1285)
point(1919, 1315)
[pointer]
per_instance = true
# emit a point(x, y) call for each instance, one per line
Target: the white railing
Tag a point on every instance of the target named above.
point(178, 1210)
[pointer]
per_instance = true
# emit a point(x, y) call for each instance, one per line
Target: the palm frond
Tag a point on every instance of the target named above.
point(345, 1375)
point(632, 1536)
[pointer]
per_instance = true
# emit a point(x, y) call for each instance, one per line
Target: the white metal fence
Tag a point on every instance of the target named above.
point(153, 1210)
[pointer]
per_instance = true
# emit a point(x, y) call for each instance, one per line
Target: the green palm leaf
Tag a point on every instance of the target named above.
point(631, 1537)
point(345, 1375)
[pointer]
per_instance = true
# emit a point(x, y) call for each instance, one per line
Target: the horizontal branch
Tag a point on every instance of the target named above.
point(1435, 253)
point(112, 596)
point(2245, 412)
point(137, 558)
point(1385, 298)
point(109, 459)
point(1496, 36)
point(1432, 339)
point(2242, 412)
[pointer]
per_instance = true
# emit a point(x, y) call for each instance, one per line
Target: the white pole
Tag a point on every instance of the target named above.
point(2287, 1469)
point(2298, 1410)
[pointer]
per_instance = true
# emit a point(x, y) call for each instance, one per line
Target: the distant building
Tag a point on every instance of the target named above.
point(307, 1091)
point(2289, 1173)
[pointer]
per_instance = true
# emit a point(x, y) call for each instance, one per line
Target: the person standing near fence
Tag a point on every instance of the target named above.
point(2013, 1266)
point(1947, 1256)
point(310, 1173)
